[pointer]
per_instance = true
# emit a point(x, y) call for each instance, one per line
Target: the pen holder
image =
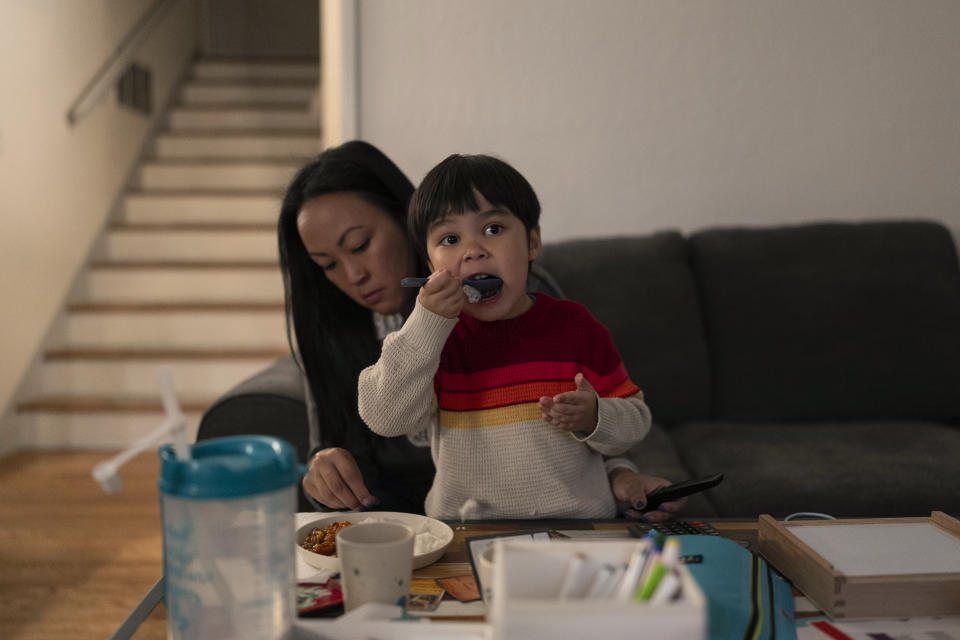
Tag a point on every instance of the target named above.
point(528, 578)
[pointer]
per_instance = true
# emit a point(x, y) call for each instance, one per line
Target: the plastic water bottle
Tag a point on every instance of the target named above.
point(228, 538)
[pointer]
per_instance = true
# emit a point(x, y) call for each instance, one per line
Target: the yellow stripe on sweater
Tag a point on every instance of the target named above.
point(499, 417)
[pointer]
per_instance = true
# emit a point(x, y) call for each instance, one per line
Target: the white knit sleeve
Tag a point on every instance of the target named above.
point(395, 395)
point(621, 423)
point(619, 462)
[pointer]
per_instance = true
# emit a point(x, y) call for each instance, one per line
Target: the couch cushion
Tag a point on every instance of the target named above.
point(852, 469)
point(270, 402)
point(832, 321)
point(642, 289)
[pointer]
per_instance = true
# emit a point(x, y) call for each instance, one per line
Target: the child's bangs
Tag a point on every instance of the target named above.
point(454, 193)
point(487, 176)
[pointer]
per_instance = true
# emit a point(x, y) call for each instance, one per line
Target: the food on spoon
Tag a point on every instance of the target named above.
point(323, 540)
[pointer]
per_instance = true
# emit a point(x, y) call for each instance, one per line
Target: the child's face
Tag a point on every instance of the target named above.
point(490, 241)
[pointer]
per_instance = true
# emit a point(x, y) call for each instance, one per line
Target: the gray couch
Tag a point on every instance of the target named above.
point(816, 366)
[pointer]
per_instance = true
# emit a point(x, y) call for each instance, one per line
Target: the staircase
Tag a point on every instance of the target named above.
point(187, 275)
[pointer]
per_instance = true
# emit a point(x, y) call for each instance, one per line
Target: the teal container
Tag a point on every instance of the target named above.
point(228, 538)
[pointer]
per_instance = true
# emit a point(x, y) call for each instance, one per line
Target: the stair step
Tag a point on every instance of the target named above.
point(108, 403)
point(172, 263)
point(154, 354)
point(243, 118)
point(198, 244)
point(181, 284)
point(226, 145)
point(266, 107)
point(175, 306)
point(113, 429)
point(191, 226)
point(280, 69)
point(256, 97)
point(186, 174)
point(247, 90)
point(210, 377)
point(217, 132)
point(184, 329)
point(184, 205)
point(197, 93)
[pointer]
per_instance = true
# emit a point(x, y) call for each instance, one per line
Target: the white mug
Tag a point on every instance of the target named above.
point(376, 561)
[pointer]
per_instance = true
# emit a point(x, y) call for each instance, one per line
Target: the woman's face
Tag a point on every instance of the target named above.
point(361, 249)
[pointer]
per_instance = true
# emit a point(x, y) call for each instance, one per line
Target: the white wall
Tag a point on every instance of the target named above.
point(635, 115)
point(58, 183)
point(339, 40)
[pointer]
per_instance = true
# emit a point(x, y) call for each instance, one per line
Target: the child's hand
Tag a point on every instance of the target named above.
point(443, 294)
point(573, 410)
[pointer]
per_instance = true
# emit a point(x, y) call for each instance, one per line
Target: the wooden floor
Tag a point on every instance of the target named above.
point(74, 561)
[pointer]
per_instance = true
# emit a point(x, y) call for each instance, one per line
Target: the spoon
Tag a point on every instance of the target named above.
point(487, 284)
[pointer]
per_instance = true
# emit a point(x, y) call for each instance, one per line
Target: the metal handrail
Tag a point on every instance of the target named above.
point(107, 75)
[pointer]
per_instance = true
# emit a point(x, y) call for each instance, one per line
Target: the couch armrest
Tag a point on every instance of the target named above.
point(269, 403)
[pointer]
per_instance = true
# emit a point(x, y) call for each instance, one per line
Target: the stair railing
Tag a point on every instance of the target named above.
point(108, 73)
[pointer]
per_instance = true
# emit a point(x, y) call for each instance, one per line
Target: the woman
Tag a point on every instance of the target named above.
point(343, 250)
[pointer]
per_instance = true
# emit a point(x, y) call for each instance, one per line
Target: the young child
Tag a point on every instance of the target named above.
point(522, 395)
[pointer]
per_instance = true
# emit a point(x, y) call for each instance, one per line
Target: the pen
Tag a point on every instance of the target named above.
point(603, 582)
point(574, 575)
point(628, 581)
point(668, 589)
point(666, 562)
point(658, 542)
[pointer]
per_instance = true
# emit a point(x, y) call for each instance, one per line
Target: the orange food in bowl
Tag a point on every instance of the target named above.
point(323, 540)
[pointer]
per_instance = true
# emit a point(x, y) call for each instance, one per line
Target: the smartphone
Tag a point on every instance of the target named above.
point(680, 489)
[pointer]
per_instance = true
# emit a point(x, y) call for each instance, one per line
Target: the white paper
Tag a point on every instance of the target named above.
point(893, 548)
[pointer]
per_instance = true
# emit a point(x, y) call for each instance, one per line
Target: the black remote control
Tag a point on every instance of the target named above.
point(680, 489)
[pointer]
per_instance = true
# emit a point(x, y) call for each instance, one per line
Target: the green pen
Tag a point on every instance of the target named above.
point(668, 559)
point(653, 580)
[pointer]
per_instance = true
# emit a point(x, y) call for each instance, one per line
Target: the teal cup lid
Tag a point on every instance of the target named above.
point(229, 467)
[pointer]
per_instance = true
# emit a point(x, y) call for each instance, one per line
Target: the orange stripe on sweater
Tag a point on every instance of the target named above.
point(625, 389)
point(506, 395)
point(497, 417)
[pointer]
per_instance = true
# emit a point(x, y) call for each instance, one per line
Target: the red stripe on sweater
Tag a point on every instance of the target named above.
point(526, 372)
point(519, 394)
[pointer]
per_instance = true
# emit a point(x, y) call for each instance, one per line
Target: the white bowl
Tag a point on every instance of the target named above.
point(432, 536)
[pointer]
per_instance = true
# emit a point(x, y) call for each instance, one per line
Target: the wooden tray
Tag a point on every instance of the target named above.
point(870, 568)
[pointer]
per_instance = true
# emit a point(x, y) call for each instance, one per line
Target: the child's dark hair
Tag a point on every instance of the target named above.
point(449, 187)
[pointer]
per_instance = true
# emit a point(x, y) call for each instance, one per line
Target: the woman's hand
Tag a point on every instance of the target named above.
point(334, 480)
point(573, 410)
point(443, 294)
point(630, 490)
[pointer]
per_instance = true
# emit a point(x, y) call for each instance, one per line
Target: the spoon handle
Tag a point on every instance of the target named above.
point(479, 285)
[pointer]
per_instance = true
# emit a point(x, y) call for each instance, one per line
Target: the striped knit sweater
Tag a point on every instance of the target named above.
point(476, 385)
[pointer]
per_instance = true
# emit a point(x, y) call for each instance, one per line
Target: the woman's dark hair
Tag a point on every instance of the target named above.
point(449, 188)
point(334, 335)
